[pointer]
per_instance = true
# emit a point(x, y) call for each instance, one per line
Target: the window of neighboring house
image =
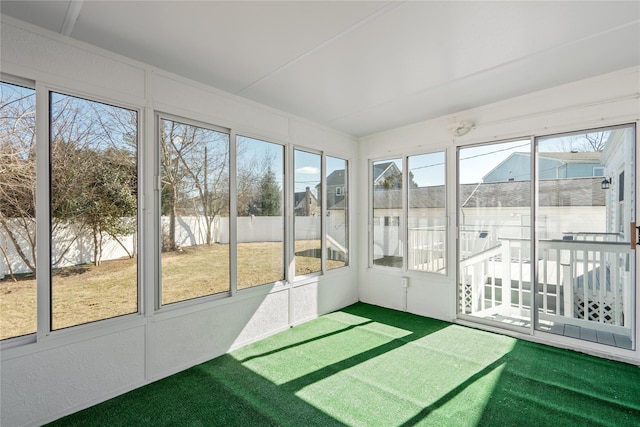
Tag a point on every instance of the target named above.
point(260, 205)
point(17, 211)
point(307, 222)
point(93, 210)
point(427, 216)
point(386, 185)
point(391, 221)
point(194, 210)
point(337, 218)
point(621, 209)
point(598, 171)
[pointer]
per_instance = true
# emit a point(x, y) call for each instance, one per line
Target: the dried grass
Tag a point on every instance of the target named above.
point(87, 293)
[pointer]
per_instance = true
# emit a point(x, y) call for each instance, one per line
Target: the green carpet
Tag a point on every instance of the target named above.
point(370, 366)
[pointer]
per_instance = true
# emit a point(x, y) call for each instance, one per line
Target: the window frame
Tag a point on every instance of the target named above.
point(381, 219)
point(371, 208)
point(159, 116)
point(286, 208)
point(44, 93)
point(148, 274)
point(322, 206)
point(325, 212)
point(31, 85)
point(44, 334)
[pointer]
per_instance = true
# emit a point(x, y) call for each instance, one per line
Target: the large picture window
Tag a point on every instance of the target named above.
point(17, 211)
point(260, 207)
point(194, 207)
point(93, 210)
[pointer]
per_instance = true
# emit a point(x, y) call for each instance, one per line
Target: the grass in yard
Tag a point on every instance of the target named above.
point(87, 293)
point(17, 306)
point(194, 271)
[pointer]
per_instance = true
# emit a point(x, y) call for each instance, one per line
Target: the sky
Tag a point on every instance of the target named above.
point(476, 162)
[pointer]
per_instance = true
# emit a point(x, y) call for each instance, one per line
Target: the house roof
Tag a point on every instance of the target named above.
point(553, 192)
point(300, 195)
point(574, 157)
point(587, 157)
point(380, 168)
point(336, 177)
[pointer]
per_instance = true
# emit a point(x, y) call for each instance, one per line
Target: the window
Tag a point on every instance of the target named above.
point(260, 204)
point(93, 211)
point(307, 206)
point(337, 218)
point(427, 217)
point(621, 186)
point(494, 224)
point(422, 204)
point(17, 211)
point(90, 190)
point(392, 221)
point(194, 208)
point(621, 205)
point(598, 171)
point(387, 201)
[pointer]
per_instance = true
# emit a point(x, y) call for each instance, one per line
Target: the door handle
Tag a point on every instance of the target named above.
point(635, 239)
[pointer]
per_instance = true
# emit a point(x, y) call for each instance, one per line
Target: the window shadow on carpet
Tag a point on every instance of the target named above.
point(366, 365)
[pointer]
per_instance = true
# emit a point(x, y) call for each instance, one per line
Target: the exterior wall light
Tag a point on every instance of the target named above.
point(606, 183)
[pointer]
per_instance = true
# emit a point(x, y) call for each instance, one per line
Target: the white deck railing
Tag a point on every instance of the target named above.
point(427, 248)
point(580, 280)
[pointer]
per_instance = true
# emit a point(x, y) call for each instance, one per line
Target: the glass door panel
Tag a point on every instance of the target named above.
point(585, 202)
point(494, 232)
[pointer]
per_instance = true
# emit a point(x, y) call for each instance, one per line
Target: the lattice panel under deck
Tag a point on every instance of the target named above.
point(593, 310)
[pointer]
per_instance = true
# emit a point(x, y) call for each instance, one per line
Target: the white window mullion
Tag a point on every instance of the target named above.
point(323, 214)
point(43, 226)
point(233, 213)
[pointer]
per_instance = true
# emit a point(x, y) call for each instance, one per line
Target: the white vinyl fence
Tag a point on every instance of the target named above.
point(74, 247)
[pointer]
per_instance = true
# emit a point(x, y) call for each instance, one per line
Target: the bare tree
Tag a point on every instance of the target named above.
point(17, 172)
point(594, 141)
point(93, 172)
point(195, 175)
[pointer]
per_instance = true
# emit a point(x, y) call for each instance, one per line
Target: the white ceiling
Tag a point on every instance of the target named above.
point(359, 66)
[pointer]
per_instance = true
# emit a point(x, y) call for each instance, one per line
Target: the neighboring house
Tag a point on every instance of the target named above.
point(619, 157)
point(336, 184)
point(504, 205)
point(306, 204)
point(517, 167)
point(386, 175)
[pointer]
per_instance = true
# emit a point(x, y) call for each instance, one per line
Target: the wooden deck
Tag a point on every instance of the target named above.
point(571, 331)
point(593, 335)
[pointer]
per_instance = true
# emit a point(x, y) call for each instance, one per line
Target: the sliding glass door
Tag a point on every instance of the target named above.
point(494, 232)
point(582, 202)
point(585, 204)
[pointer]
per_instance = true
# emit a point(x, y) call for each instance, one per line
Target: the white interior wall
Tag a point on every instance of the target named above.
point(75, 368)
point(606, 100)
